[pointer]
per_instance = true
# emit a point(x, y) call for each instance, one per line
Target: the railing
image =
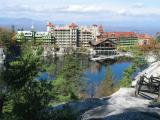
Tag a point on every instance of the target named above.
point(152, 84)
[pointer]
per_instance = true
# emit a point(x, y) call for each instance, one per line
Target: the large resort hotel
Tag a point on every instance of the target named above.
point(63, 36)
point(90, 37)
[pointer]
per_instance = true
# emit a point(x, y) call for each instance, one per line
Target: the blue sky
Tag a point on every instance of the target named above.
point(81, 10)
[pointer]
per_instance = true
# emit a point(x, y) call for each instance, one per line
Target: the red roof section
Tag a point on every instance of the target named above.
point(119, 34)
point(144, 36)
point(73, 25)
point(50, 24)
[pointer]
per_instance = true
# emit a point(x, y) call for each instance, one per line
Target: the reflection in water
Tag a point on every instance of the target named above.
point(95, 68)
point(106, 86)
point(94, 72)
point(98, 66)
point(97, 72)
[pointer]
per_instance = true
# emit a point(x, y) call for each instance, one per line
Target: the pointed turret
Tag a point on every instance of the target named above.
point(32, 28)
point(50, 27)
point(73, 25)
point(101, 30)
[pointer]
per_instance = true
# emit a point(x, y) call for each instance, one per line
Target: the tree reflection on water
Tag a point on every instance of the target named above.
point(95, 73)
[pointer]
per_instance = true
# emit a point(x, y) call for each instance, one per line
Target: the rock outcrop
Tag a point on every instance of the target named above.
point(123, 105)
point(152, 70)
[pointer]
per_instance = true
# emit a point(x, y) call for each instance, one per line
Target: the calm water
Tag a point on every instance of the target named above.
point(94, 72)
point(98, 71)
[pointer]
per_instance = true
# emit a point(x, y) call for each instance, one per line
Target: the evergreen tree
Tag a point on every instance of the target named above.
point(138, 63)
point(22, 37)
point(106, 87)
point(27, 95)
point(69, 80)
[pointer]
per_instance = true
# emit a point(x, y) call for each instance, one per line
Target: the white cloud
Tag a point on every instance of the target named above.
point(138, 5)
point(85, 8)
point(122, 12)
point(109, 10)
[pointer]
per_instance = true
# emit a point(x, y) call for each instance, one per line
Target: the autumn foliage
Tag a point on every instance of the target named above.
point(7, 36)
point(153, 45)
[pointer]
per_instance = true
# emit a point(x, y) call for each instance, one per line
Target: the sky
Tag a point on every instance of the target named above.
point(77, 10)
point(126, 12)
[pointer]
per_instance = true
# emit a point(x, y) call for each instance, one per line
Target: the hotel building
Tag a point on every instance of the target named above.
point(124, 39)
point(34, 36)
point(107, 42)
point(74, 36)
point(66, 36)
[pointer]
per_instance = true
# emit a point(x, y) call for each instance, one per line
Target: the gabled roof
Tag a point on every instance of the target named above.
point(95, 43)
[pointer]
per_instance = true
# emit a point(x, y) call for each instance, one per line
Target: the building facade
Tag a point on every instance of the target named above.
point(66, 36)
point(74, 36)
point(36, 37)
point(144, 39)
point(124, 39)
point(106, 46)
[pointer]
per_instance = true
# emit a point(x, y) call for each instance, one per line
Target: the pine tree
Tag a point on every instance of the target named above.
point(69, 80)
point(106, 87)
point(28, 95)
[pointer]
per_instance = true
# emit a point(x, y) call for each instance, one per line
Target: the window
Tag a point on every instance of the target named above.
point(145, 42)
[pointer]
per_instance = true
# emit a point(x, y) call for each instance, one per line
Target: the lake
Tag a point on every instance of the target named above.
point(94, 72)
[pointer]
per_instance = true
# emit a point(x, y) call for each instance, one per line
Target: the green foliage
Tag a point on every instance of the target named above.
point(126, 81)
point(21, 70)
point(26, 48)
point(22, 38)
point(6, 40)
point(69, 80)
point(82, 49)
point(39, 51)
point(122, 49)
point(158, 38)
point(26, 96)
point(5, 36)
point(50, 68)
point(106, 87)
point(31, 99)
point(138, 63)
